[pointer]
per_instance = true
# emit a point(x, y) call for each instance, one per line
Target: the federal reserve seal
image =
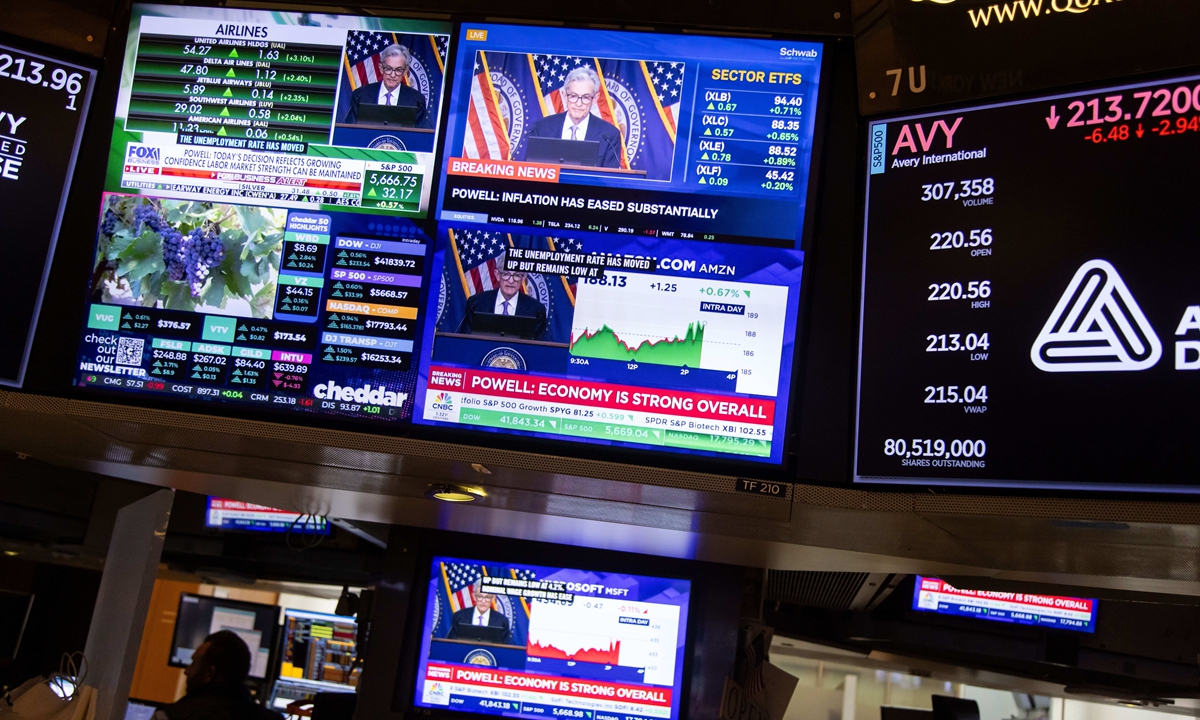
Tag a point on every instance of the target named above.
point(504, 358)
point(387, 142)
point(628, 116)
point(480, 657)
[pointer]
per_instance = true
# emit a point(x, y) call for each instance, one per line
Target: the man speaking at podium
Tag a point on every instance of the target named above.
point(394, 62)
point(480, 622)
point(507, 300)
point(578, 122)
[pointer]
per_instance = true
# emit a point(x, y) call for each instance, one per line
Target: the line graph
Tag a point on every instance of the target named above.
point(607, 655)
point(605, 344)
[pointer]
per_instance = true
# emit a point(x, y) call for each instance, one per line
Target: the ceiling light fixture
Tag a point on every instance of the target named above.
point(454, 493)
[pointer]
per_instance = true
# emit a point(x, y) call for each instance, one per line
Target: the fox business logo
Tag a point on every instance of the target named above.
point(443, 401)
point(142, 154)
point(366, 394)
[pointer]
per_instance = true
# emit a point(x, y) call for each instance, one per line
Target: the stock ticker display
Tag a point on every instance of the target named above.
point(529, 641)
point(253, 245)
point(1030, 312)
point(619, 258)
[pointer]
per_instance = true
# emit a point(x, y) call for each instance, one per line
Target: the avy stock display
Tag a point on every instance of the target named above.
point(527, 641)
point(1030, 313)
point(251, 246)
point(592, 176)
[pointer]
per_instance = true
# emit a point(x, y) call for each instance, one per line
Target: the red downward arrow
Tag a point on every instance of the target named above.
point(1052, 121)
point(1140, 131)
point(276, 382)
point(278, 375)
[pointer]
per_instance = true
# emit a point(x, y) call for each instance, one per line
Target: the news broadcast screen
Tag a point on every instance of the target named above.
point(528, 641)
point(211, 283)
point(226, 514)
point(619, 254)
point(1049, 611)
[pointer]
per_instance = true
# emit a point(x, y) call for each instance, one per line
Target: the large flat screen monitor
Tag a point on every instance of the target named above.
point(1049, 611)
point(45, 105)
point(619, 256)
point(254, 245)
point(226, 514)
point(201, 615)
point(319, 650)
point(528, 641)
point(1030, 315)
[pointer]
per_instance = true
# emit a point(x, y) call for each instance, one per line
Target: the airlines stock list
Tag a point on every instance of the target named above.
point(1017, 324)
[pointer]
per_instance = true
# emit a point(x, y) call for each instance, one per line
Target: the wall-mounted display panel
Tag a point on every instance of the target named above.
point(253, 245)
point(528, 641)
point(43, 105)
point(1029, 311)
point(1050, 611)
point(619, 254)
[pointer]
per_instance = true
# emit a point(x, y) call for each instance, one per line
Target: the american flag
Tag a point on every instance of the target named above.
point(486, 136)
point(459, 578)
point(667, 78)
point(478, 257)
point(362, 56)
point(570, 245)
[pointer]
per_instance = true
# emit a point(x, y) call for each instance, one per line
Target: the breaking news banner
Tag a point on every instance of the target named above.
point(547, 335)
point(287, 310)
point(43, 106)
point(534, 641)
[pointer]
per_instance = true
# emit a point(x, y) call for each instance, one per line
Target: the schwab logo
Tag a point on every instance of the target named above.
point(366, 394)
point(1097, 326)
point(443, 401)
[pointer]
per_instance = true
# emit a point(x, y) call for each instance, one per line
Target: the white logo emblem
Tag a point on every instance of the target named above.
point(1097, 326)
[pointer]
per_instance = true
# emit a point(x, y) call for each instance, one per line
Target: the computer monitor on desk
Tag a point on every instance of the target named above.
point(563, 152)
point(515, 326)
point(404, 116)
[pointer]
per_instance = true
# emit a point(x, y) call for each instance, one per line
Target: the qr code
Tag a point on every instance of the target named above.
point(129, 351)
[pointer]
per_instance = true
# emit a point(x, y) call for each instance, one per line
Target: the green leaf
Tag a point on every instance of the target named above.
point(263, 302)
point(214, 291)
point(177, 296)
point(252, 219)
point(141, 257)
point(237, 283)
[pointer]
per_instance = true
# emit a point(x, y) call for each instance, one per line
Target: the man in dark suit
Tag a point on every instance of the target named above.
point(482, 615)
point(394, 63)
point(506, 300)
point(578, 123)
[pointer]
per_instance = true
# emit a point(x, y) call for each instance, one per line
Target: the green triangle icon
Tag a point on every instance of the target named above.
point(241, 337)
point(224, 112)
point(747, 293)
point(242, 327)
point(372, 193)
point(157, 363)
point(292, 256)
point(708, 131)
point(328, 358)
point(125, 326)
point(338, 285)
point(233, 53)
point(231, 73)
point(343, 254)
point(228, 92)
point(337, 293)
point(126, 316)
point(702, 181)
point(704, 156)
point(333, 317)
point(237, 372)
point(221, 132)
point(710, 107)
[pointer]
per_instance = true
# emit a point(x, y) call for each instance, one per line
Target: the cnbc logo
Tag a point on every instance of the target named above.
point(443, 401)
point(1098, 326)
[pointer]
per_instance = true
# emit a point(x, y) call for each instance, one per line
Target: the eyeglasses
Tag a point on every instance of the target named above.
point(512, 276)
point(388, 70)
point(573, 98)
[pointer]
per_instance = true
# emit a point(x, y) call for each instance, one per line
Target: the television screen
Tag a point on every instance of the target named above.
point(319, 649)
point(254, 245)
point(1029, 311)
point(619, 255)
point(45, 105)
point(201, 615)
point(529, 641)
point(226, 514)
point(1050, 611)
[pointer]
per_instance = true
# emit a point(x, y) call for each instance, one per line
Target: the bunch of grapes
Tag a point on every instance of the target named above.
point(149, 215)
point(203, 251)
point(174, 254)
point(109, 225)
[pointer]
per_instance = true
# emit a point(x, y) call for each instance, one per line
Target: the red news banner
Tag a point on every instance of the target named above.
point(493, 678)
point(616, 397)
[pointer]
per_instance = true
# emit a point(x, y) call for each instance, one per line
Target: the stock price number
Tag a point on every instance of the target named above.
point(921, 447)
point(951, 395)
point(956, 239)
point(955, 342)
point(979, 187)
point(954, 290)
point(14, 68)
point(609, 280)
